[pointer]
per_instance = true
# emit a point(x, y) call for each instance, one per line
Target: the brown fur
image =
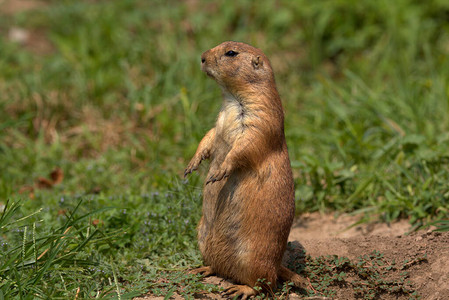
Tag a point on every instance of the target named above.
point(248, 199)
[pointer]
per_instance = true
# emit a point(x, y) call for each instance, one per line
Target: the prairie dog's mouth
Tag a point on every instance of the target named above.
point(208, 71)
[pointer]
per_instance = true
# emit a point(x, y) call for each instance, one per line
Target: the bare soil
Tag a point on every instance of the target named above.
point(321, 235)
point(326, 235)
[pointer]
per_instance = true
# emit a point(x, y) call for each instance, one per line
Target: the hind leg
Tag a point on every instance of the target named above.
point(249, 276)
point(287, 275)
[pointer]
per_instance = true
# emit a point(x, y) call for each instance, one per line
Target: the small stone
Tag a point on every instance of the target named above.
point(293, 297)
point(18, 35)
point(418, 238)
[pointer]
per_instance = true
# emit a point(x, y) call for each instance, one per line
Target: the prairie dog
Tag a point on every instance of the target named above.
point(248, 197)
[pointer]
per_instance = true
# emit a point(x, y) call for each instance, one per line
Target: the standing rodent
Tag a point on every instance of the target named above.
point(248, 197)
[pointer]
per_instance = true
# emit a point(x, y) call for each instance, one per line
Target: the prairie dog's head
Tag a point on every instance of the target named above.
point(237, 67)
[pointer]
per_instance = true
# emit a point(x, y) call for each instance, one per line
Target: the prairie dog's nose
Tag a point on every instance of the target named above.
point(205, 56)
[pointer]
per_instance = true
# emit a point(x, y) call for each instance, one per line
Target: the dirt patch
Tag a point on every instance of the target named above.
point(325, 235)
point(11, 7)
point(34, 40)
point(322, 235)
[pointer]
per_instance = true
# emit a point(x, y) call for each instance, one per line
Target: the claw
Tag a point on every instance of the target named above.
point(217, 177)
point(189, 170)
point(239, 290)
point(211, 180)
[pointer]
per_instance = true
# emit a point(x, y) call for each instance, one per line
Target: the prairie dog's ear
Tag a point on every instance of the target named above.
point(257, 62)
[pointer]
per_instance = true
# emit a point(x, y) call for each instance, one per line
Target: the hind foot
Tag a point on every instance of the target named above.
point(205, 271)
point(240, 290)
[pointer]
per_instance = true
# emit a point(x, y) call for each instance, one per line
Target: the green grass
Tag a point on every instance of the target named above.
point(111, 92)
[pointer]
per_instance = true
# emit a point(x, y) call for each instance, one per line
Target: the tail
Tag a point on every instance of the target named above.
point(287, 275)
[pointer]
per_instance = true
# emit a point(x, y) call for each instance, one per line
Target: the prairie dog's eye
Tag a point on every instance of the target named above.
point(231, 53)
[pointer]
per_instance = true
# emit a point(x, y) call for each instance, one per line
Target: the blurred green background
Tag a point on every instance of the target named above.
point(111, 93)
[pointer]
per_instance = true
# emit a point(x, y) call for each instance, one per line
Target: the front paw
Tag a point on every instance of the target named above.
point(221, 173)
point(192, 166)
point(195, 163)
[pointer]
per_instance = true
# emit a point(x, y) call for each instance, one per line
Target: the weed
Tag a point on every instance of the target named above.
point(185, 284)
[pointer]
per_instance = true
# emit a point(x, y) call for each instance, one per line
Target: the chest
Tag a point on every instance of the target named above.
point(231, 121)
